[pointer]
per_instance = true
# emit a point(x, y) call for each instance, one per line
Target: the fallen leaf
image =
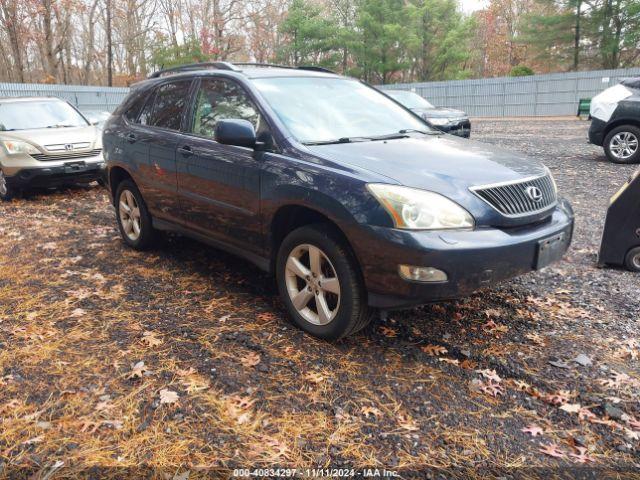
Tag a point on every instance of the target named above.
point(314, 377)
point(186, 372)
point(150, 339)
point(559, 398)
point(367, 411)
point(407, 423)
point(571, 407)
point(583, 360)
point(536, 338)
point(388, 332)
point(552, 450)
point(585, 413)
point(78, 312)
point(491, 375)
point(534, 430)
point(168, 396)
point(138, 370)
point(493, 389)
point(450, 361)
point(433, 349)
point(581, 456)
point(251, 359)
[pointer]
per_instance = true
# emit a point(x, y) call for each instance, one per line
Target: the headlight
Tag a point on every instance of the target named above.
point(437, 121)
point(18, 146)
point(414, 209)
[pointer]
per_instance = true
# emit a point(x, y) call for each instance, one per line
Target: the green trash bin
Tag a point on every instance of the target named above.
point(584, 106)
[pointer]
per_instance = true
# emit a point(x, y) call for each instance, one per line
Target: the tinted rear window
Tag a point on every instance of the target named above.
point(169, 105)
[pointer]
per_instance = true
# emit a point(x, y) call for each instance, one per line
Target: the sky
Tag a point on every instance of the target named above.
point(469, 6)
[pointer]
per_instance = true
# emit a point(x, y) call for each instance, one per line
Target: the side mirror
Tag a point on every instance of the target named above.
point(235, 132)
point(93, 120)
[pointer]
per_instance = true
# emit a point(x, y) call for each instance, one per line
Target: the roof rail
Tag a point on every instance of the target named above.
point(258, 64)
point(313, 68)
point(194, 67)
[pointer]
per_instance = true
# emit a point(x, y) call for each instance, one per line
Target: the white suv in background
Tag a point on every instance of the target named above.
point(46, 142)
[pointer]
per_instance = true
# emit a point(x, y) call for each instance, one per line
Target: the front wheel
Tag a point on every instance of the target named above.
point(6, 191)
point(632, 260)
point(320, 283)
point(134, 221)
point(622, 144)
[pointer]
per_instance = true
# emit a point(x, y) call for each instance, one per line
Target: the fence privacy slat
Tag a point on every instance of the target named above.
point(555, 94)
point(536, 95)
point(83, 97)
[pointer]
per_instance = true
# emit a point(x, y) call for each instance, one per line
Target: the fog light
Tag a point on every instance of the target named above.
point(421, 274)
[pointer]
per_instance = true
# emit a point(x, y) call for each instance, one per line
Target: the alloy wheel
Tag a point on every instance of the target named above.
point(312, 284)
point(4, 189)
point(623, 145)
point(130, 218)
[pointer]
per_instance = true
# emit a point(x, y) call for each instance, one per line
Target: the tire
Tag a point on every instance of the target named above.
point(622, 144)
point(7, 192)
point(345, 312)
point(132, 215)
point(632, 260)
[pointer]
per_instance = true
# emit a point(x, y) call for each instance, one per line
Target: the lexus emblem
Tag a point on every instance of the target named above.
point(68, 147)
point(534, 193)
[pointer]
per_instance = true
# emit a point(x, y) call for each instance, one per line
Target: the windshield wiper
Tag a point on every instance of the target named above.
point(337, 140)
point(428, 132)
point(61, 125)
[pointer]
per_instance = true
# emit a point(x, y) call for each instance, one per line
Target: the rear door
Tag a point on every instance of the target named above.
point(219, 185)
point(152, 145)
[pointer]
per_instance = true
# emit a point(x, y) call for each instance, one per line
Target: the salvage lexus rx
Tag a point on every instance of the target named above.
point(350, 199)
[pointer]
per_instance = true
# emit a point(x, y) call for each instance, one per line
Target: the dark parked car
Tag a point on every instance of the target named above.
point(350, 199)
point(455, 122)
point(615, 121)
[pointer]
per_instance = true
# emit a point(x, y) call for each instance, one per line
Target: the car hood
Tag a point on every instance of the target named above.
point(54, 139)
point(439, 112)
point(440, 163)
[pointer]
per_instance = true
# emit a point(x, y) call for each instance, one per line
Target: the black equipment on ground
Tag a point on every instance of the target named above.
point(621, 236)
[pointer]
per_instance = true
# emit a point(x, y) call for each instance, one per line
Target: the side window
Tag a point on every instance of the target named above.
point(145, 114)
point(134, 109)
point(169, 105)
point(219, 99)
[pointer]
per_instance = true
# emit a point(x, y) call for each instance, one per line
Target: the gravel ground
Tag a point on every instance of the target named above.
point(117, 363)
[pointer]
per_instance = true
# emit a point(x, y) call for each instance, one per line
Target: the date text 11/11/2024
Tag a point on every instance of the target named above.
point(314, 473)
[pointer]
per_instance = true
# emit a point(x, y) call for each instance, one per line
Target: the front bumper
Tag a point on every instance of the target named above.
point(460, 129)
point(597, 131)
point(52, 176)
point(471, 259)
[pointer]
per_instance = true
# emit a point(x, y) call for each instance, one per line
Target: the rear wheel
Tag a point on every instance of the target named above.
point(632, 260)
point(622, 144)
point(320, 283)
point(134, 221)
point(6, 191)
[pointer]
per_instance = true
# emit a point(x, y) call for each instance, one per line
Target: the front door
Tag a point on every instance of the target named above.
point(219, 185)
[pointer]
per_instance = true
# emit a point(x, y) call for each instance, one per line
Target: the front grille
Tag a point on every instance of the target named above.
point(43, 157)
point(513, 199)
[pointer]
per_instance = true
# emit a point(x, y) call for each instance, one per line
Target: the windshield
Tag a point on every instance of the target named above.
point(409, 99)
point(39, 114)
point(319, 110)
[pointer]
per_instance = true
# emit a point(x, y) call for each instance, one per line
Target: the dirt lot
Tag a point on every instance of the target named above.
point(182, 359)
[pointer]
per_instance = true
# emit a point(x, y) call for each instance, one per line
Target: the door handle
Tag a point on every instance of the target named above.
point(131, 138)
point(186, 151)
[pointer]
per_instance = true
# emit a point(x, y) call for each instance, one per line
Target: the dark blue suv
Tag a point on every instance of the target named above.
point(350, 199)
